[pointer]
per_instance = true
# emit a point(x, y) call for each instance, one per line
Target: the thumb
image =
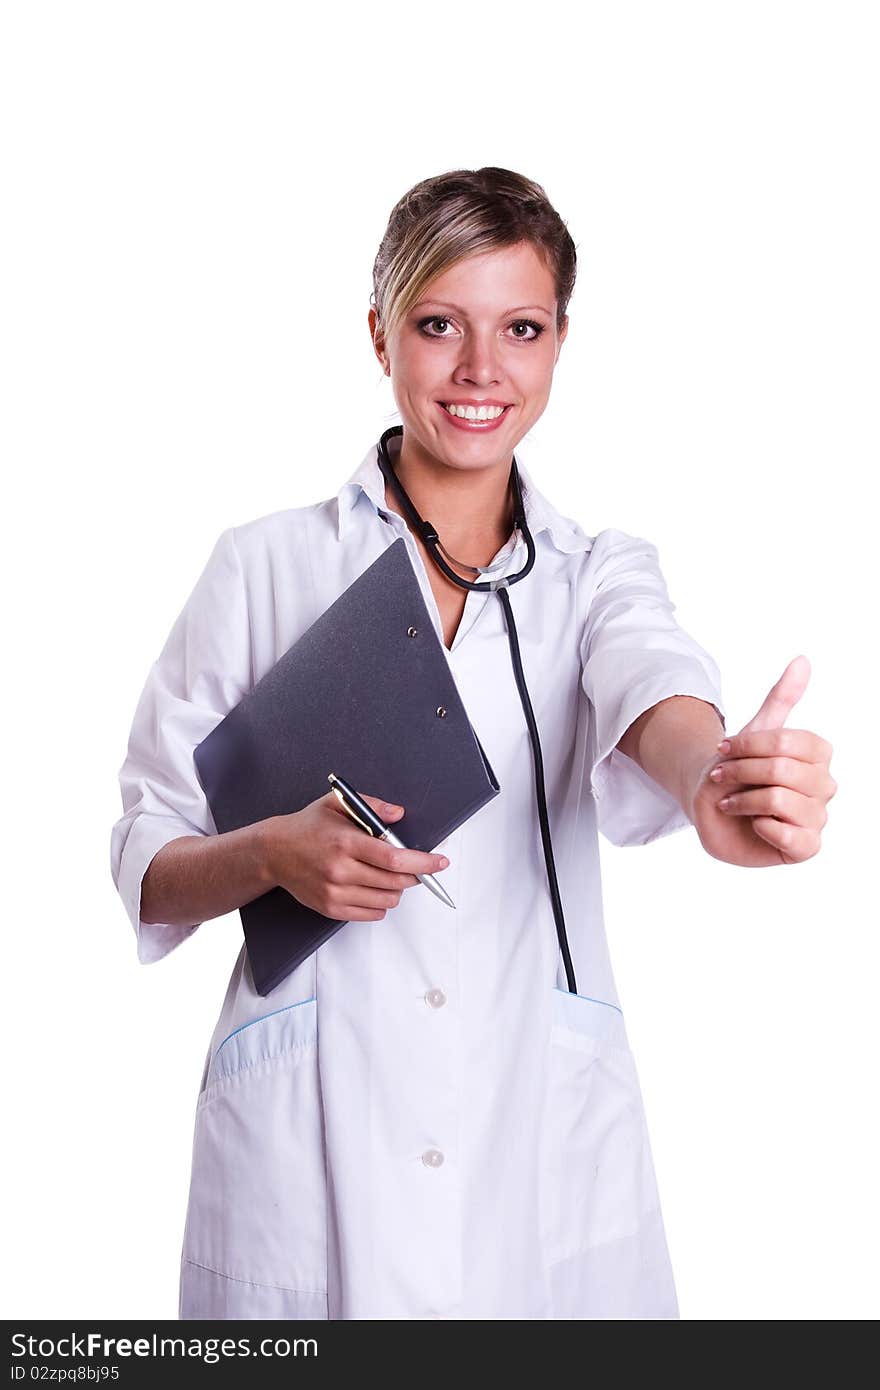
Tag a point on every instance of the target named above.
point(782, 697)
point(389, 810)
point(386, 809)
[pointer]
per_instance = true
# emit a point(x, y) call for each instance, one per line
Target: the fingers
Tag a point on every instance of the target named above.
point(400, 863)
point(780, 802)
point(367, 891)
point(358, 898)
point(374, 877)
point(373, 863)
point(386, 809)
point(794, 842)
point(789, 743)
point(778, 771)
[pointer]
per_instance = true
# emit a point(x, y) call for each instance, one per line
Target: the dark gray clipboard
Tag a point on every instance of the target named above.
point(360, 694)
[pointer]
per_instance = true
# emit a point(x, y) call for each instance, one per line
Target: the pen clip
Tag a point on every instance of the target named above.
point(350, 811)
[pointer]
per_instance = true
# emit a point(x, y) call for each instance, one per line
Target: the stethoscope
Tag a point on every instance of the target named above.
point(499, 586)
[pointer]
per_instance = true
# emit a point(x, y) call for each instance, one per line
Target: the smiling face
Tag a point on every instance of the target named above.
point(484, 332)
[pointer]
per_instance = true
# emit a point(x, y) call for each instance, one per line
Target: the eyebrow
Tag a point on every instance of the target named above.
point(518, 310)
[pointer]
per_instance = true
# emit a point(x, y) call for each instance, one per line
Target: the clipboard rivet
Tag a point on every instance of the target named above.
point(441, 712)
point(412, 632)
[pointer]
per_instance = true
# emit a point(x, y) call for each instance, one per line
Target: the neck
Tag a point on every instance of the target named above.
point(462, 504)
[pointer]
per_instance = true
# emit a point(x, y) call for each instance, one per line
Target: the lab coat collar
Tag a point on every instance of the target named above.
point(541, 515)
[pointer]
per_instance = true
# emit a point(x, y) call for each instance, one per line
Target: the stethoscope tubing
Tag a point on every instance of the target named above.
point(500, 586)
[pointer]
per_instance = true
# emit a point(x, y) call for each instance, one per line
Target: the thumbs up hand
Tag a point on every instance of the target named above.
point(761, 801)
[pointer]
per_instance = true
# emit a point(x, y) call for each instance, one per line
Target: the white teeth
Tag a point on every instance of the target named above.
point(471, 412)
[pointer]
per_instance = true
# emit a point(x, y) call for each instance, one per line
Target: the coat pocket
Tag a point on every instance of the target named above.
point(257, 1200)
point(599, 1183)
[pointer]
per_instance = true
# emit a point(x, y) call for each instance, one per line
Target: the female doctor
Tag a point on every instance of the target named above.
point(435, 1115)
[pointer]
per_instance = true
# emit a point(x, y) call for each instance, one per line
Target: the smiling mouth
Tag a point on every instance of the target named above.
point(473, 419)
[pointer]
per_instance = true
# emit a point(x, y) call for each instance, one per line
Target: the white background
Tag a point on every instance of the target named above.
point(194, 195)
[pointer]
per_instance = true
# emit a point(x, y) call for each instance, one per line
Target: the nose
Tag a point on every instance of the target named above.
point(478, 359)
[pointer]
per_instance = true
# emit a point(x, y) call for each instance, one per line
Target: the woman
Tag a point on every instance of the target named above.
point(424, 1120)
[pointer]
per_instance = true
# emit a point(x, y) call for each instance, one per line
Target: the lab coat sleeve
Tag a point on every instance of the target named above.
point(634, 654)
point(202, 671)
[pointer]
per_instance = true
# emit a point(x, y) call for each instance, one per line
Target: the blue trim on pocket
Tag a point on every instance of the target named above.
point(580, 1016)
point(252, 1021)
point(590, 998)
point(280, 1032)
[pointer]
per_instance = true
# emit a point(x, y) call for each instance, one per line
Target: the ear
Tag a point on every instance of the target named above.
point(378, 338)
point(563, 333)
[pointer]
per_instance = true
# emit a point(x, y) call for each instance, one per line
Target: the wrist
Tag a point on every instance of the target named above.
point(677, 745)
point(266, 849)
point(694, 775)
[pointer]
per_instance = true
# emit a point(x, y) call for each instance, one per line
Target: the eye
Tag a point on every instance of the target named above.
point(424, 322)
point(529, 323)
point(537, 328)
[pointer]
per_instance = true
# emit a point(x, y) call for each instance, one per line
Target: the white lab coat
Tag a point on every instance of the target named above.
point(421, 1121)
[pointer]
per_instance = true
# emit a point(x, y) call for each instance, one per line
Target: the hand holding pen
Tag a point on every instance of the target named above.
point(362, 811)
point(327, 862)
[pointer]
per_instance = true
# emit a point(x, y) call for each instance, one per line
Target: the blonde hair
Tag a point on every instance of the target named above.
point(462, 213)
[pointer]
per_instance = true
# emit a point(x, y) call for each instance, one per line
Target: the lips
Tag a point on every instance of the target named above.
point(474, 426)
point(475, 404)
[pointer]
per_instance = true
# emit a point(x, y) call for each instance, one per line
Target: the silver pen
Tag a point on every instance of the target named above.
point(364, 816)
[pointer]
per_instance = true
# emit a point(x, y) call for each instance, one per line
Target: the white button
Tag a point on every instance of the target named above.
point(436, 998)
point(432, 1158)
